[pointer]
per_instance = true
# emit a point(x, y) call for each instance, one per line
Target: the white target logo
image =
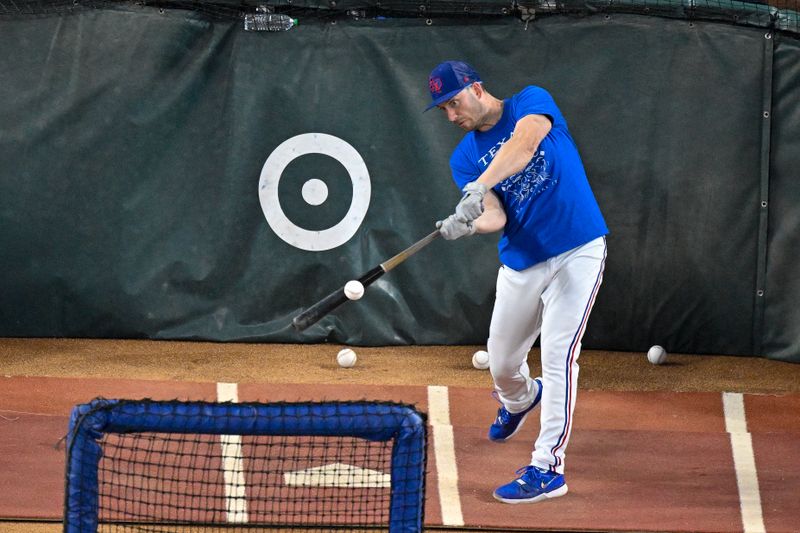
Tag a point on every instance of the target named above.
point(314, 191)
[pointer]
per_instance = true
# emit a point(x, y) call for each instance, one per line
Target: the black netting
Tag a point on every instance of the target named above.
point(192, 466)
point(210, 482)
point(781, 15)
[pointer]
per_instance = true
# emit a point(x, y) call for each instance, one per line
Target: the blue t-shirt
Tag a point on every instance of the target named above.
point(549, 206)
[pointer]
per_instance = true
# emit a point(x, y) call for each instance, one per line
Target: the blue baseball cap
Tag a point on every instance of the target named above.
point(448, 79)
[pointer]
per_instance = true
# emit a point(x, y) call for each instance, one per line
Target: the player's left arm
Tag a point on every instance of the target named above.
point(517, 151)
point(493, 217)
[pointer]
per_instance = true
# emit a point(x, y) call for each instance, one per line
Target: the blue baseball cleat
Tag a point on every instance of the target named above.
point(506, 425)
point(535, 484)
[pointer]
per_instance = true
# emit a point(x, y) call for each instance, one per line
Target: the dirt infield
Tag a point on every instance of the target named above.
point(407, 365)
point(416, 365)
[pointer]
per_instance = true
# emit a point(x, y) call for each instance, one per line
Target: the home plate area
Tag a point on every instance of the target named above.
point(338, 475)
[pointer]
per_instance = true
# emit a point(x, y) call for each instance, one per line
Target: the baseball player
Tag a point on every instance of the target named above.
point(521, 173)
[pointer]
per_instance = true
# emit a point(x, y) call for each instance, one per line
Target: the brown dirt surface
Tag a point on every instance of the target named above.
point(406, 365)
point(393, 365)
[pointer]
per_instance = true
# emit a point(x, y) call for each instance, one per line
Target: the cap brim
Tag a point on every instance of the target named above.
point(444, 98)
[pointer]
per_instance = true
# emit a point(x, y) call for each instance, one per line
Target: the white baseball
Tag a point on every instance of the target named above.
point(346, 358)
point(480, 360)
point(353, 289)
point(656, 354)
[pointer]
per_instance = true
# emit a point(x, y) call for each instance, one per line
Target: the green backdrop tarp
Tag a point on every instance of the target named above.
point(132, 146)
point(782, 313)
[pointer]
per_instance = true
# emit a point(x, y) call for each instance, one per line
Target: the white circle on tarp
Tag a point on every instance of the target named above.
point(271, 172)
point(315, 192)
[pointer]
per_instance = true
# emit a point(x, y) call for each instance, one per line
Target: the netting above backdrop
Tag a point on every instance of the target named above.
point(781, 15)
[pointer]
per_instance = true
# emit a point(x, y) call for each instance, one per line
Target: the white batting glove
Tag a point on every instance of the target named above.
point(455, 227)
point(471, 205)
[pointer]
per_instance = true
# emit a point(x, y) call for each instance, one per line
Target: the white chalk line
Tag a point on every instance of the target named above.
point(445, 453)
point(744, 462)
point(233, 463)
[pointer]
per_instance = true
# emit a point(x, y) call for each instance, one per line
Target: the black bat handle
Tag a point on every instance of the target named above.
point(314, 314)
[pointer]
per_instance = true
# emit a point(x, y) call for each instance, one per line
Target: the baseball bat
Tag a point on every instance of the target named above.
point(314, 314)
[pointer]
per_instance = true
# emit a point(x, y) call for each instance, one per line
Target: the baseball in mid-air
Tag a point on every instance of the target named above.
point(656, 355)
point(480, 360)
point(353, 289)
point(346, 358)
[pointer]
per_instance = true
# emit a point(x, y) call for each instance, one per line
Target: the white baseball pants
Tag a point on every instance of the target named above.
point(553, 299)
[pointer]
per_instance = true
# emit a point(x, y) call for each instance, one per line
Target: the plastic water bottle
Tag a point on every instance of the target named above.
point(268, 22)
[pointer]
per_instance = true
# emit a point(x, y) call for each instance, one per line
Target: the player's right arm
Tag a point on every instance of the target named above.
point(517, 152)
point(493, 217)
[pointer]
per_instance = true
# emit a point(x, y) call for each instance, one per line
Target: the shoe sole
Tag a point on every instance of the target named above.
point(560, 491)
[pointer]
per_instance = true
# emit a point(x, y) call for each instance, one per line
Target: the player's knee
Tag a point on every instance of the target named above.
point(502, 371)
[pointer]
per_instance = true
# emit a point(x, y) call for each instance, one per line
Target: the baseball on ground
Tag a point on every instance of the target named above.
point(353, 289)
point(656, 354)
point(480, 360)
point(346, 358)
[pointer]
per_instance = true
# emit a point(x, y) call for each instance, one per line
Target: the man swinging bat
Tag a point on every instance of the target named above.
point(520, 172)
